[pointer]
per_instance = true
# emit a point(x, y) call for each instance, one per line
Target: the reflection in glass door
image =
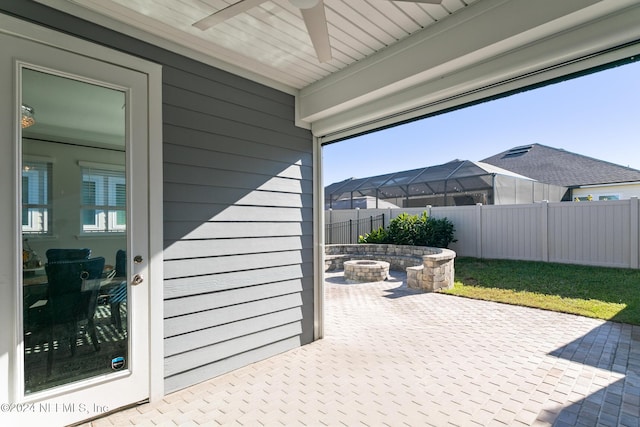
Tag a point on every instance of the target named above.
point(74, 230)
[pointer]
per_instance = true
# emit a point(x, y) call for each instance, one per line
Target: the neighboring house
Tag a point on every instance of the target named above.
point(204, 166)
point(455, 183)
point(585, 177)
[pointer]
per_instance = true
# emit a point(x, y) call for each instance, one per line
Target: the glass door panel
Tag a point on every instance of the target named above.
point(74, 230)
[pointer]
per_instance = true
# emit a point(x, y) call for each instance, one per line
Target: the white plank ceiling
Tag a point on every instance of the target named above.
point(271, 39)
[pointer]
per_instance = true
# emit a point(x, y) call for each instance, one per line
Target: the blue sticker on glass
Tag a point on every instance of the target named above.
point(117, 363)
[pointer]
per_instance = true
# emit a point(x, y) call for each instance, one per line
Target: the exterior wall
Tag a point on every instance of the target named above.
point(509, 190)
point(602, 233)
point(238, 221)
point(237, 208)
point(621, 191)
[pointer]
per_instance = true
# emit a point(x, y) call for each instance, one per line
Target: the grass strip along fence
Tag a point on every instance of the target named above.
point(597, 292)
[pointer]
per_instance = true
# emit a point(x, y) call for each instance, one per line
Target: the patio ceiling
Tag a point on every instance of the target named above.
point(271, 37)
point(388, 57)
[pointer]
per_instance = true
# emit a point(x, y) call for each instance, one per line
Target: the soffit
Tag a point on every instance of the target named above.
point(271, 39)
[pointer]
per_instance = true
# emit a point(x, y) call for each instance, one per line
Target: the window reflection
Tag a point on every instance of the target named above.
point(36, 176)
point(74, 224)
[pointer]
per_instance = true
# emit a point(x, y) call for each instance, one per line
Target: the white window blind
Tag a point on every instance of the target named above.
point(103, 199)
point(36, 202)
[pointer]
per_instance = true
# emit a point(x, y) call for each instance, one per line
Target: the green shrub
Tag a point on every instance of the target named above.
point(414, 230)
point(436, 232)
point(403, 229)
point(376, 236)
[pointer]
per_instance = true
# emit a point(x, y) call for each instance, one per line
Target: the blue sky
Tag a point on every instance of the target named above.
point(596, 115)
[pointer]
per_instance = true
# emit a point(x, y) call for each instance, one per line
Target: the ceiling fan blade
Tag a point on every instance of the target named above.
point(316, 22)
point(226, 13)
point(422, 1)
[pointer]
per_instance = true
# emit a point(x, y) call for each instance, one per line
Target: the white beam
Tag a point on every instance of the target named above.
point(429, 66)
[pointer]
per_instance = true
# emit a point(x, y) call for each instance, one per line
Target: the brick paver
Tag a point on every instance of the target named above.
point(396, 357)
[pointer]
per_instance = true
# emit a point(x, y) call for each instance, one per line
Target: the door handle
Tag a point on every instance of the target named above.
point(137, 279)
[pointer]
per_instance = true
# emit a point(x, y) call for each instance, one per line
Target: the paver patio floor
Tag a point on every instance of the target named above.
point(396, 357)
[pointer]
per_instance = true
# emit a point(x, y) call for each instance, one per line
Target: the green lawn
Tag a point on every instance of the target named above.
point(603, 293)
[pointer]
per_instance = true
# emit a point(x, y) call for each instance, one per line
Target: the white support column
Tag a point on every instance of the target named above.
point(318, 242)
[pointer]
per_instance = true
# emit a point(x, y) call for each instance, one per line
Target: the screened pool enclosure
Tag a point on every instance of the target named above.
point(456, 183)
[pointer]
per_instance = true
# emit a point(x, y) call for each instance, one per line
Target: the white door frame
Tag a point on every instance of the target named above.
point(9, 335)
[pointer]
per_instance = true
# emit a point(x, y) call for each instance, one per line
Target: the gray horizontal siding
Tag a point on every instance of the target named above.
point(225, 112)
point(220, 230)
point(237, 208)
point(202, 121)
point(225, 89)
point(189, 174)
point(181, 287)
point(203, 211)
point(206, 319)
point(210, 370)
point(200, 303)
point(191, 138)
point(188, 267)
point(212, 353)
point(197, 193)
point(203, 248)
point(203, 338)
point(238, 223)
point(235, 162)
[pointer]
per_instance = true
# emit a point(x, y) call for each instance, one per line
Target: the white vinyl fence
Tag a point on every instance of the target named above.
point(602, 233)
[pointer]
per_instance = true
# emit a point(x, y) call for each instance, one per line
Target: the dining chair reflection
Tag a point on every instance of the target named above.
point(72, 294)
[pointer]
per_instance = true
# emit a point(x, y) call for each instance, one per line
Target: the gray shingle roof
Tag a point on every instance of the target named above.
point(556, 166)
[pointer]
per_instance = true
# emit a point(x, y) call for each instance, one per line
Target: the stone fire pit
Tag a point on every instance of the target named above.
point(366, 271)
point(428, 269)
